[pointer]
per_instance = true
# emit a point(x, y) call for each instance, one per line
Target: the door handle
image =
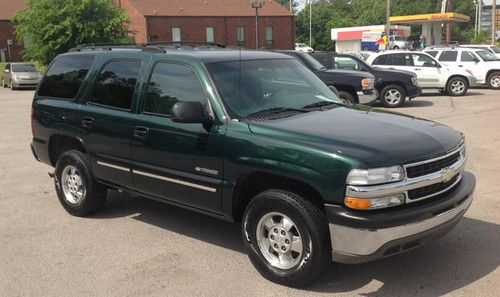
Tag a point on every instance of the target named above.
point(87, 122)
point(141, 132)
point(460, 65)
point(417, 69)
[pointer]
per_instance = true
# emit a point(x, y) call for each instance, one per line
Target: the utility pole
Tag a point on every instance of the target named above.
point(310, 23)
point(494, 22)
point(387, 23)
point(449, 8)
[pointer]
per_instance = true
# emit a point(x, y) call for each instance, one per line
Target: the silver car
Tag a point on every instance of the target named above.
point(20, 75)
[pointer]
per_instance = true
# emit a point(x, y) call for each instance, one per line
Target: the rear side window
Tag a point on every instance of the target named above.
point(402, 60)
point(171, 83)
point(381, 60)
point(65, 76)
point(448, 56)
point(466, 56)
point(432, 53)
point(116, 83)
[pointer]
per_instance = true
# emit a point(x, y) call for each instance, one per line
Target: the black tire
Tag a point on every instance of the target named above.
point(457, 80)
point(397, 92)
point(346, 97)
point(94, 193)
point(334, 89)
point(494, 80)
point(311, 225)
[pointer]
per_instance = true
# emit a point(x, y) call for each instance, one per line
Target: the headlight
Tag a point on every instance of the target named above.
point(414, 80)
point(374, 203)
point(367, 83)
point(359, 177)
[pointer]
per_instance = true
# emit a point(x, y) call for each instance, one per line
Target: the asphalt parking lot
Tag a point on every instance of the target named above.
point(138, 247)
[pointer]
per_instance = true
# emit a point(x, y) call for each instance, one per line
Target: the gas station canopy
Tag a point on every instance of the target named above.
point(447, 17)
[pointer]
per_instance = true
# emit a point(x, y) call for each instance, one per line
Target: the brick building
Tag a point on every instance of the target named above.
point(231, 22)
point(7, 9)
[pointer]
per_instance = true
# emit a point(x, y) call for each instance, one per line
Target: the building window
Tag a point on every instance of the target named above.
point(269, 35)
point(240, 35)
point(176, 34)
point(210, 34)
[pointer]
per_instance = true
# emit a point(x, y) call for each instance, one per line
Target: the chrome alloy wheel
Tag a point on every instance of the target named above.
point(392, 96)
point(495, 81)
point(72, 185)
point(279, 240)
point(457, 87)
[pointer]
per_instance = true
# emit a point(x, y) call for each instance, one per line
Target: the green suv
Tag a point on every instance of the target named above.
point(250, 137)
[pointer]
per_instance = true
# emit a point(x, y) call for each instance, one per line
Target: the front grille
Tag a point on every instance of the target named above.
point(431, 167)
point(432, 189)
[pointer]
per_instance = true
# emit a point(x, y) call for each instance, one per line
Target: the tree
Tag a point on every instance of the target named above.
point(52, 27)
point(286, 3)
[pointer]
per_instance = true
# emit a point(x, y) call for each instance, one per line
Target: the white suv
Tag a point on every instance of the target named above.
point(455, 81)
point(495, 50)
point(483, 64)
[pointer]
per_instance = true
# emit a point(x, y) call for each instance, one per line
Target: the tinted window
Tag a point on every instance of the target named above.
point(382, 60)
point(467, 57)
point(65, 76)
point(448, 56)
point(347, 63)
point(169, 84)
point(432, 53)
point(402, 60)
point(116, 83)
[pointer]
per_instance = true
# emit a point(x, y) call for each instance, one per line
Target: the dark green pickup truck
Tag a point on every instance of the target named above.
point(251, 137)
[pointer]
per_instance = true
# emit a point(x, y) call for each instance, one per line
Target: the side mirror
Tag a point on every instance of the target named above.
point(189, 112)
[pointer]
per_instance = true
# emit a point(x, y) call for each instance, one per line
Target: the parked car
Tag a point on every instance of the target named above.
point(393, 86)
point(494, 49)
point(250, 137)
point(20, 75)
point(303, 48)
point(483, 64)
point(454, 81)
point(350, 86)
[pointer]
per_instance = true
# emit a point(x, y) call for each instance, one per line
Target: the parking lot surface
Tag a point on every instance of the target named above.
point(138, 247)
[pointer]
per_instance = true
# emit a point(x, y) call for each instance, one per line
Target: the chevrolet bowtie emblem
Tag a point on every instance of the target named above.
point(447, 175)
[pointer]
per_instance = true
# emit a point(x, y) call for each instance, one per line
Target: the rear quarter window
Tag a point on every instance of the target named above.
point(381, 60)
point(65, 76)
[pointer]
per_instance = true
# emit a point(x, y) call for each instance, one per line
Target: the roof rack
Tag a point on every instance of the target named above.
point(188, 43)
point(110, 46)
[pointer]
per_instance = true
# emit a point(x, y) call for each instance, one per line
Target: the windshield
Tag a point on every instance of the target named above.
point(398, 38)
point(301, 45)
point(23, 68)
point(313, 62)
point(496, 49)
point(486, 56)
point(251, 86)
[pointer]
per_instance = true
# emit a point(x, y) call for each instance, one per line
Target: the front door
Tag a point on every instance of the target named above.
point(428, 71)
point(176, 161)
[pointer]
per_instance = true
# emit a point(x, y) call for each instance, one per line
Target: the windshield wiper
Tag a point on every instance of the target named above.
point(320, 104)
point(276, 110)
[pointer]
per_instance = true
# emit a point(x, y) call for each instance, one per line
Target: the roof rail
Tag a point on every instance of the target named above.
point(110, 46)
point(188, 43)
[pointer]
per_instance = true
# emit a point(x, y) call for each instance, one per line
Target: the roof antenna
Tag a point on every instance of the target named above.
point(239, 75)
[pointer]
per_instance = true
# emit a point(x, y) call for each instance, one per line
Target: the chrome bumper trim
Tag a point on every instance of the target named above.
point(366, 98)
point(353, 242)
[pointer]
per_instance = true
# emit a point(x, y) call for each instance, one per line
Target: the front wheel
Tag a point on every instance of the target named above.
point(286, 238)
point(346, 97)
point(392, 96)
point(494, 80)
point(457, 86)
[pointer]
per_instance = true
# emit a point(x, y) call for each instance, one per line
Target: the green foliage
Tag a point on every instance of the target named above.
point(286, 3)
point(52, 27)
point(328, 14)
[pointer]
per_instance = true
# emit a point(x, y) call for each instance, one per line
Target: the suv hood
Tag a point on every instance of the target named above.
point(374, 137)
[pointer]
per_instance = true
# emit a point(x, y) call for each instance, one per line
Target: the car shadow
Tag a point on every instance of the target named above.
point(466, 254)
point(476, 92)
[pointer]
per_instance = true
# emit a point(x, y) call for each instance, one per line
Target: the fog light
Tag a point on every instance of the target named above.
point(375, 203)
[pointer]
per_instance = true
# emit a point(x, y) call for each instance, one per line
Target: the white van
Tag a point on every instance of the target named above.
point(455, 81)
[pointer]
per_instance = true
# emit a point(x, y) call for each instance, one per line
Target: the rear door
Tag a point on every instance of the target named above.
point(107, 120)
point(177, 161)
point(471, 61)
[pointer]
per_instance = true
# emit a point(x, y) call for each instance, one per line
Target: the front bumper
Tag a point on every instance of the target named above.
point(413, 91)
point(366, 97)
point(363, 236)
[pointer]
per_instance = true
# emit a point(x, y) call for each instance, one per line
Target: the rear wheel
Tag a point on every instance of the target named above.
point(334, 89)
point(77, 189)
point(392, 96)
point(286, 238)
point(457, 86)
point(494, 80)
point(346, 97)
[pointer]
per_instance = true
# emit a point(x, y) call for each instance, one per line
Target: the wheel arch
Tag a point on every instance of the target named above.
point(60, 143)
point(253, 183)
point(459, 76)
